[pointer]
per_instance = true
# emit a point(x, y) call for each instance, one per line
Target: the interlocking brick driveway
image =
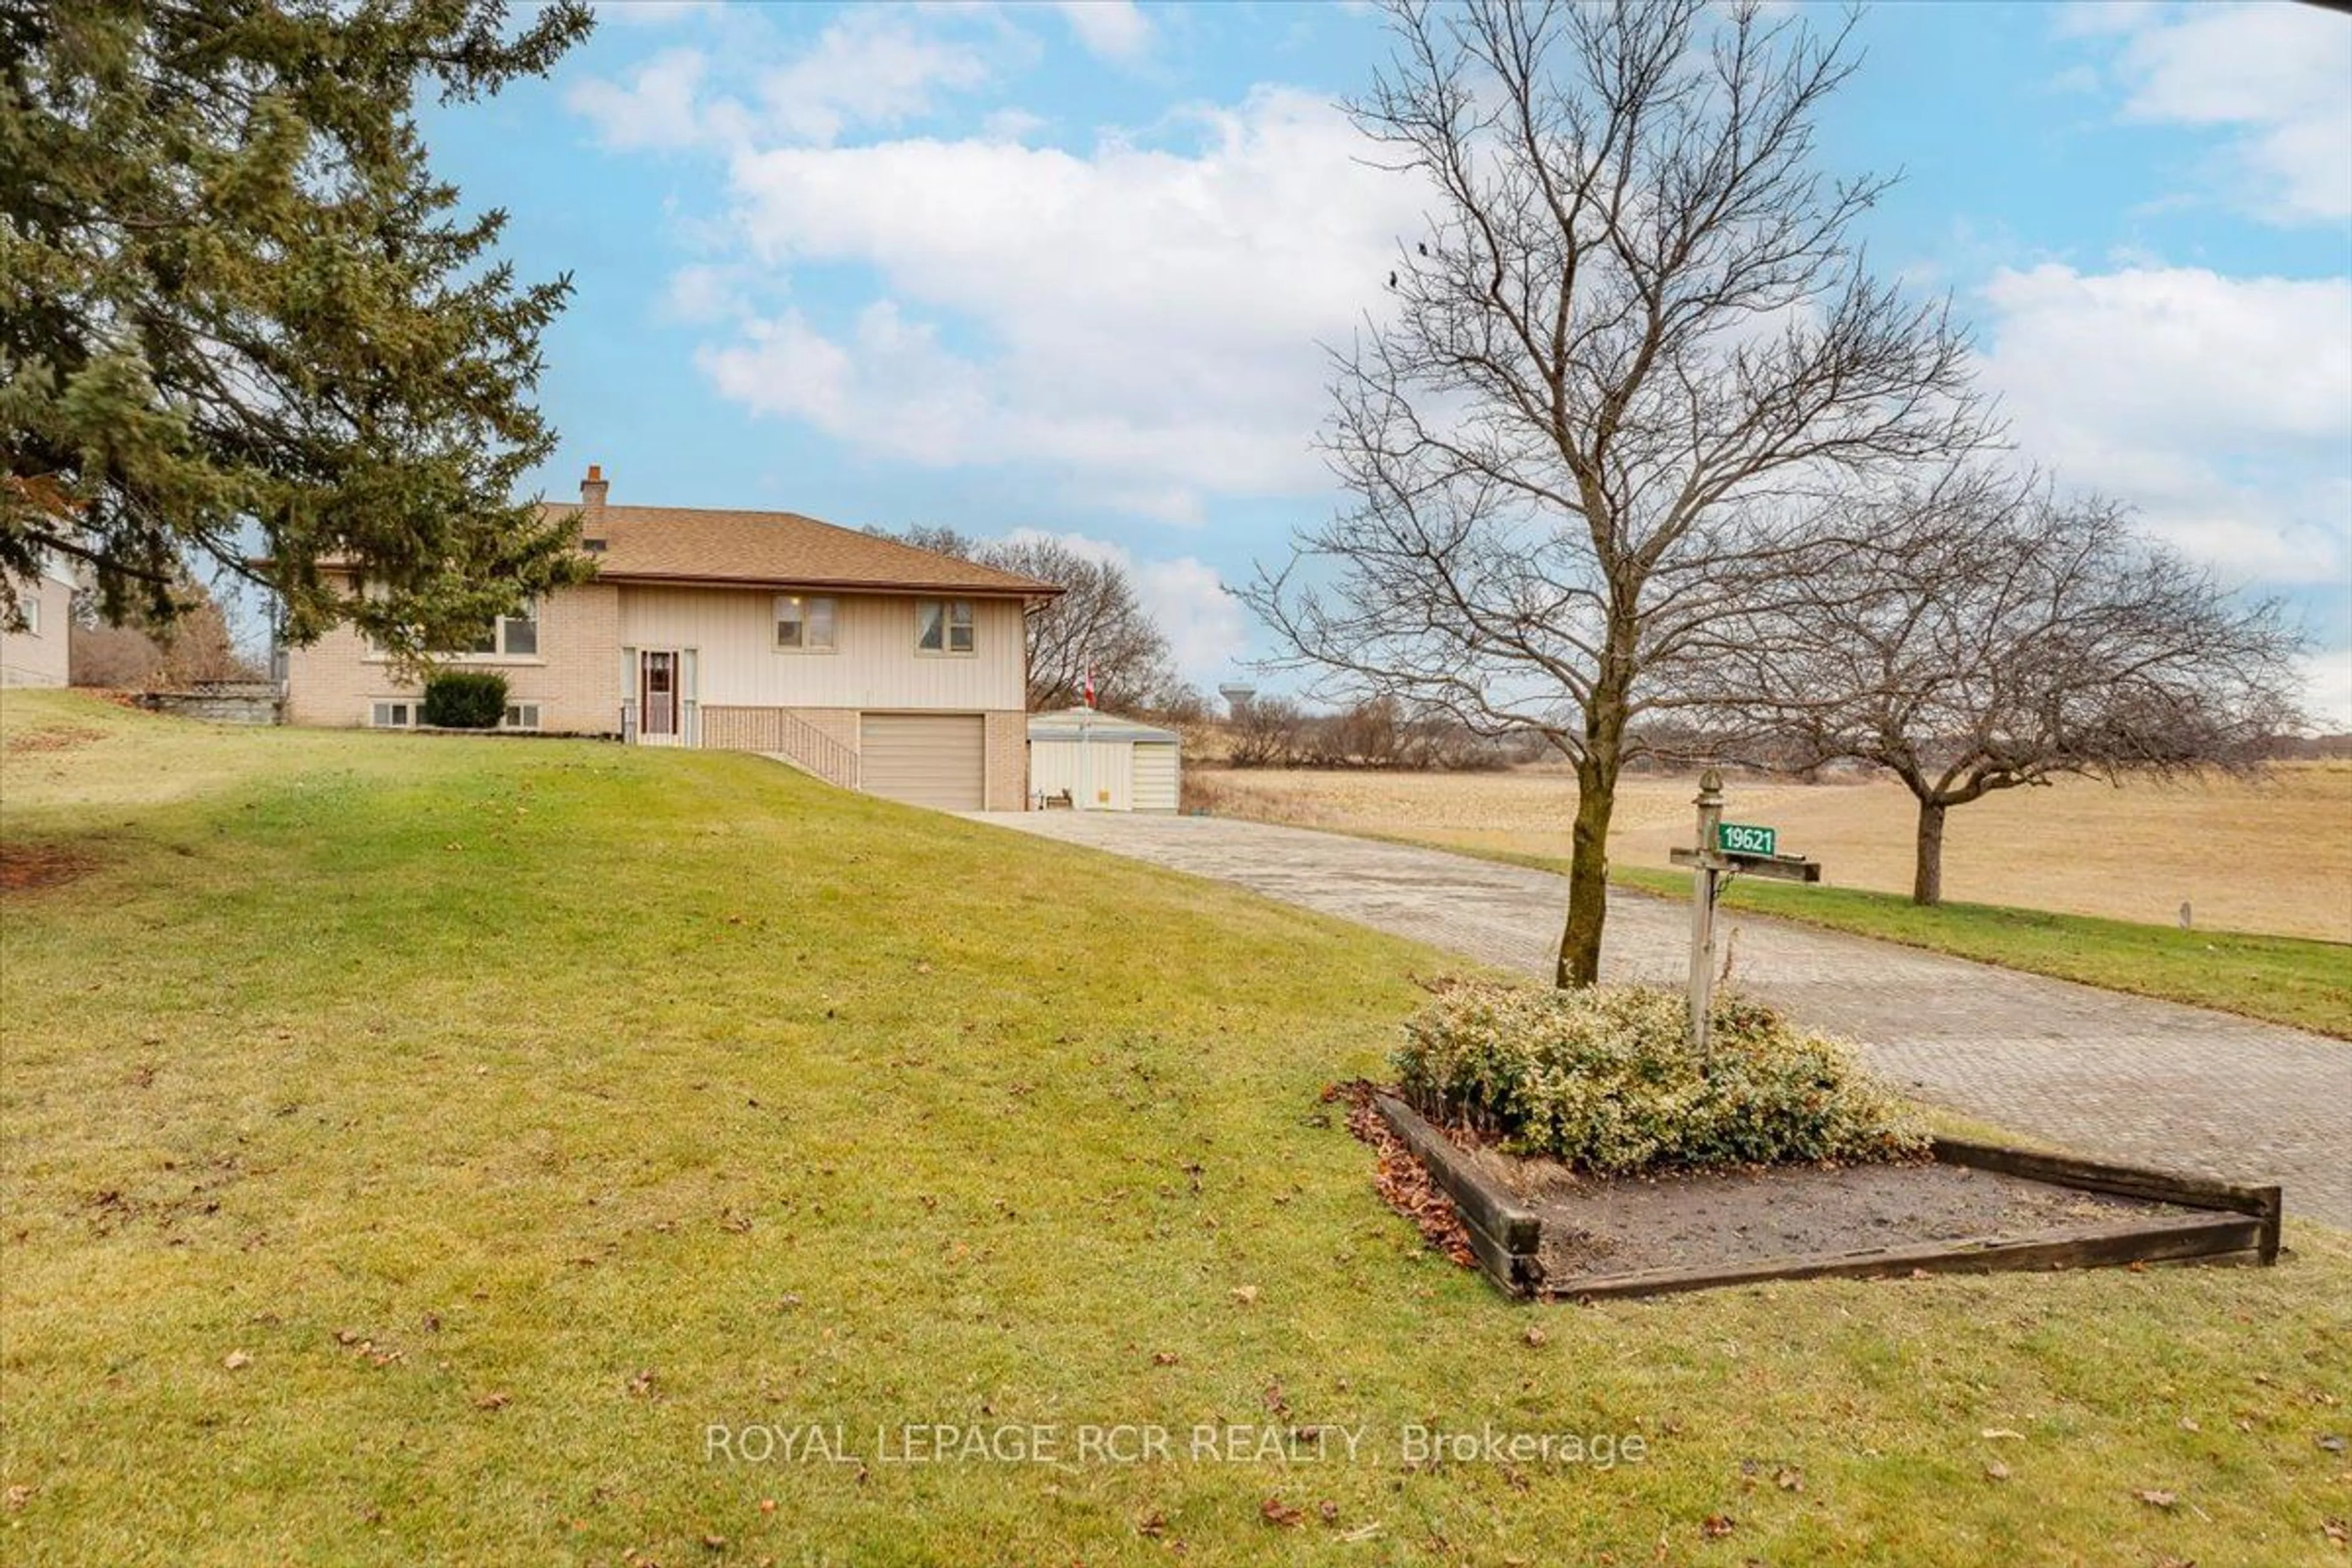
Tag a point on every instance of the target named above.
point(2099, 1072)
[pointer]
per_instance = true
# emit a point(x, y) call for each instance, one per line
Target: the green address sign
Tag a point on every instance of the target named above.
point(1739, 839)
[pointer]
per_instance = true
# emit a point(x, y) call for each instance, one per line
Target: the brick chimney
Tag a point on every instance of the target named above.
point(592, 497)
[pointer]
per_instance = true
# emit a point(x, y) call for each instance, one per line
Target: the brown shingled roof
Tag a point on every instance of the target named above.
point(696, 544)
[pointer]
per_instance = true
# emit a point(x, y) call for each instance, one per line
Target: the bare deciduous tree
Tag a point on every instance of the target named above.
point(1635, 326)
point(1974, 632)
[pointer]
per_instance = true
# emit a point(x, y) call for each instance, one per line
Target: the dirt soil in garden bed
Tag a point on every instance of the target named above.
point(1602, 1226)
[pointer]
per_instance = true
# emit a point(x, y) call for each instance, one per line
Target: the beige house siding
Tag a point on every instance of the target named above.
point(875, 664)
point(575, 678)
point(37, 656)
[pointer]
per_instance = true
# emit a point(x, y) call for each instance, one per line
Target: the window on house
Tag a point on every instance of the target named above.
point(521, 716)
point(805, 623)
point(31, 605)
point(511, 636)
point(393, 715)
point(943, 626)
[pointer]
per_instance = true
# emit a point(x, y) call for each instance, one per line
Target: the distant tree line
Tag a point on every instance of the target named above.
point(1276, 731)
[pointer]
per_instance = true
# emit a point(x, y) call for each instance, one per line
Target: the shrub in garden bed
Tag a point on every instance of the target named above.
point(464, 700)
point(1603, 1080)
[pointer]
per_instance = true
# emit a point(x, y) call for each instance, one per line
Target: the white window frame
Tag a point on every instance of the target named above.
point(805, 616)
point(508, 719)
point(409, 705)
point(947, 628)
point(501, 636)
point(501, 650)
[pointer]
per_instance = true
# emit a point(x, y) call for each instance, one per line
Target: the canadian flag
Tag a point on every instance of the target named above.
point(1090, 686)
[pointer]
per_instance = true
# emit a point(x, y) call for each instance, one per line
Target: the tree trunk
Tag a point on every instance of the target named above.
point(1928, 871)
point(1587, 867)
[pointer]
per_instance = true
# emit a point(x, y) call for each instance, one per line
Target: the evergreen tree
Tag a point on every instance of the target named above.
point(235, 304)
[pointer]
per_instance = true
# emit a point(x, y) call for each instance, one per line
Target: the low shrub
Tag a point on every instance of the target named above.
point(1603, 1080)
point(464, 700)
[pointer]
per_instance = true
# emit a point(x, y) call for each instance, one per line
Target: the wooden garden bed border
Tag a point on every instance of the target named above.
point(2241, 1224)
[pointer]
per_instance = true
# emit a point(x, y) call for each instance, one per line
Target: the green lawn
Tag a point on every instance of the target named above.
point(413, 1147)
point(2285, 980)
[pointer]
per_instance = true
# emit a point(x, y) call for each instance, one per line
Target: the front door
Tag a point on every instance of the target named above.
point(657, 695)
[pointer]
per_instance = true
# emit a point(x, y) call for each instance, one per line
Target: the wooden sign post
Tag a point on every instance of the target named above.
point(1724, 850)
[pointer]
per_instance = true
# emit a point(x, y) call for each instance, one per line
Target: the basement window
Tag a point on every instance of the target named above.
point(520, 715)
point(392, 716)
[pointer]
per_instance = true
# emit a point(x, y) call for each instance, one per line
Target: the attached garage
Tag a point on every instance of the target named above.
point(1098, 763)
point(938, 760)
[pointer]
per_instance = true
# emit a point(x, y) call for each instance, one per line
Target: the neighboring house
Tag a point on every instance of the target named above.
point(37, 656)
point(868, 662)
point(1099, 763)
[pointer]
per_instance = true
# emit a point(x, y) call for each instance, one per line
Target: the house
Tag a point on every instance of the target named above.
point(37, 656)
point(870, 663)
point(1101, 762)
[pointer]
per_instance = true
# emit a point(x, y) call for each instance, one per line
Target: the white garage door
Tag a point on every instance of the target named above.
point(924, 759)
point(1155, 776)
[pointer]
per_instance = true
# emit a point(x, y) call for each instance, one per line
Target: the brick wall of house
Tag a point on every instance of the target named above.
point(575, 678)
point(1007, 740)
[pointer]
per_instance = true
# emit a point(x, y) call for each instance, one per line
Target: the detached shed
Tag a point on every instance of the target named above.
point(1102, 762)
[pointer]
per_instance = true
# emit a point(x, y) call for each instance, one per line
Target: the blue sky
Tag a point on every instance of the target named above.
point(1066, 268)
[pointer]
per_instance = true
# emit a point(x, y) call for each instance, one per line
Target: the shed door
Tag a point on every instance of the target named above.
point(924, 759)
point(1155, 776)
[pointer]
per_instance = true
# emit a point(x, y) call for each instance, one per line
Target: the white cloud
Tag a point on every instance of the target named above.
point(2219, 405)
point(1112, 30)
point(871, 67)
point(1206, 629)
point(2272, 76)
point(658, 107)
point(2327, 689)
point(652, 13)
point(1147, 320)
point(703, 293)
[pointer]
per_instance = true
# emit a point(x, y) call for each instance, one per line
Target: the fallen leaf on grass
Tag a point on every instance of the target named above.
point(2331, 1442)
point(1276, 1512)
point(642, 1385)
point(1789, 1479)
point(1163, 1358)
point(17, 1497)
point(1152, 1526)
point(237, 1361)
point(2155, 1498)
point(1534, 1336)
point(494, 1401)
point(1246, 1294)
point(2336, 1530)
point(1996, 1471)
point(1715, 1526)
point(1994, 1433)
